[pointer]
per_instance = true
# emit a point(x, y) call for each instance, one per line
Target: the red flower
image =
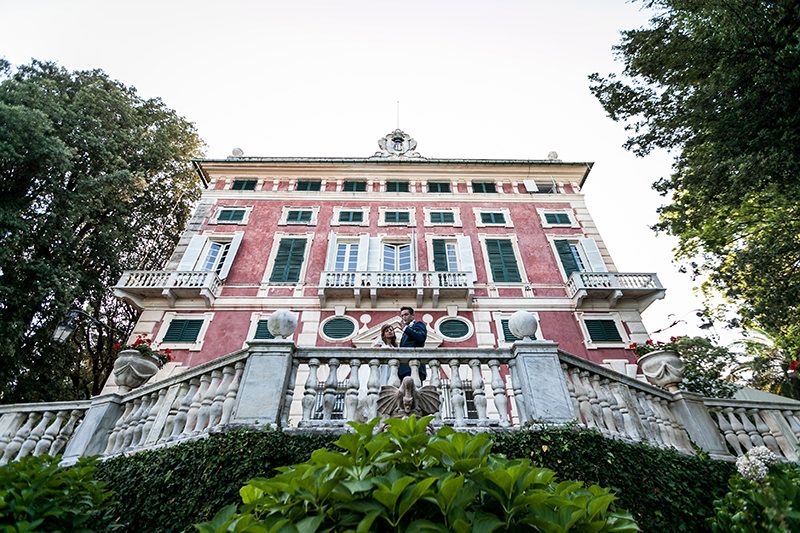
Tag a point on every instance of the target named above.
point(649, 342)
point(632, 346)
point(117, 346)
point(167, 351)
point(793, 365)
point(673, 339)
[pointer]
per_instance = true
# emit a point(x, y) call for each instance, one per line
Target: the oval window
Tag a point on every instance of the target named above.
point(454, 329)
point(338, 328)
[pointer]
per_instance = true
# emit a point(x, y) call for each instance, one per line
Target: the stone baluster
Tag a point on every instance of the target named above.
point(519, 397)
point(619, 392)
point(457, 393)
point(662, 423)
point(653, 430)
point(44, 444)
point(594, 403)
point(13, 447)
point(394, 379)
point(116, 436)
point(17, 421)
point(766, 435)
point(157, 406)
point(64, 435)
point(738, 428)
point(351, 396)
point(139, 421)
point(414, 367)
point(310, 394)
point(172, 416)
point(194, 408)
point(35, 435)
point(331, 388)
point(204, 413)
point(616, 410)
point(478, 391)
point(130, 425)
point(215, 411)
point(794, 423)
point(499, 390)
point(728, 433)
point(289, 397)
point(183, 411)
point(584, 407)
point(605, 406)
point(749, 427)
point(373, 388)
point(230, 395)
point(677, 434)
point(436, 382)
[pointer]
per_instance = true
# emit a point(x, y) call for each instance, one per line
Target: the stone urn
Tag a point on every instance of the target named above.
point(663, 369)
point(523, 325)
point(282, 323)
point(132, 369)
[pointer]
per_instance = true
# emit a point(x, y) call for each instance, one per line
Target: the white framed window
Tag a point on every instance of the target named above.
point(231, 215)
point(299, 216)
point(451, 253)
point(211, 253)
point(183, 331)
point(397, 216)
point(442, 216)
point(338, 328)
point(541, 186)
point(502, 259)
point(576, 253)
point(350, 216)
point(397, 257)
point(288, 259)
point(346, 256)
point(486, 217)
point(454, 328)
point(557, 218)
point(504, 336)
point(602, 330)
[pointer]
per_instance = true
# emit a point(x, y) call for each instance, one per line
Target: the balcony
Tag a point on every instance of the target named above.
point(614, 287)
point(374, 285)
point(136, 285)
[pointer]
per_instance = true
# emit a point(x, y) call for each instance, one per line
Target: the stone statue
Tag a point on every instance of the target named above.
point(408, 400)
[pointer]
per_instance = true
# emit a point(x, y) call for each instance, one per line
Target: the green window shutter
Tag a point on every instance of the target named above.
point(442, 217)
point(396, 186)
point(439, 256)
point(507, 335)
point(557, 218)
point(483, 186)
point(288, 261)
point(244, 185)
point(502, 261)
point(355, 186)
point(603, 330)
point(566, 257)
point(338, 328)
point(262, 331)
point(298, 216)
point(493, 218)
point(308, 185)
point(454, 329)
point(231, 215)
point(397, 217)
point(438, 186)
point(351, 216)
point(183, 331)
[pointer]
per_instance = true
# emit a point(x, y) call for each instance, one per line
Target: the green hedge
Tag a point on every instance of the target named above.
point(173, 488)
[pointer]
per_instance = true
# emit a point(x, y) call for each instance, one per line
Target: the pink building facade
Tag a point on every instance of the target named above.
point(343, 243)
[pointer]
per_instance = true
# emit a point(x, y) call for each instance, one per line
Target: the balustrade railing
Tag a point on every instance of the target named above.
point(612, 280)
point(171, 279)
point(395, 279)
point(37, 429)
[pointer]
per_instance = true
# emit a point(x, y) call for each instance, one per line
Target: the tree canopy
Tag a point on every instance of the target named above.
point(718, 82)
point(94, 179)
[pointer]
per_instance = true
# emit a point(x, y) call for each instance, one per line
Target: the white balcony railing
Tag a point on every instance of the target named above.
point(135, 285)
point(419, 283)
point(614, 286)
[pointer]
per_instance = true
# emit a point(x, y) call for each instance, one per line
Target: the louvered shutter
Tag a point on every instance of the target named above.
point(262, 331)
point(235, 243)
point(192, 253)
point(439, 255)
point(593, 254)
point(375, 260)
point(466, 257)
point(338, 328)
point(566, 257)
point(502, 261)
point(507, 335)
point(603, 331)
point(288, 261)
point(183, 331)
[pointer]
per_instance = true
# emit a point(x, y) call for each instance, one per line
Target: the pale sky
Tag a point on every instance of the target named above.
point(475, 79)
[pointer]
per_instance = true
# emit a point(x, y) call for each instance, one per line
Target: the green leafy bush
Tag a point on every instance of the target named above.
point(770, 504)
point(403, 479)
point(37, 495)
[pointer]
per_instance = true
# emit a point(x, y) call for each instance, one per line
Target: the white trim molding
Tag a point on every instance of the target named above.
point(195, 346)
point(503, 210)
point(338, 209)
point(285, 215)
point(412, 216)
point(337, 317)
point(573, 222)
point(517, 255)
point(456, 211)
point(276, 241)
point(470, 327)
point(581, 316)
point(219, 208)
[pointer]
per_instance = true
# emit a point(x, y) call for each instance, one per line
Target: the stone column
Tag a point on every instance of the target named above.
point(542, 382)
point(262, 392)
point(91, 435)
point(691, 412)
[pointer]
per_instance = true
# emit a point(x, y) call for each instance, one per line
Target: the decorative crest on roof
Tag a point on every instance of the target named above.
point(397, 144)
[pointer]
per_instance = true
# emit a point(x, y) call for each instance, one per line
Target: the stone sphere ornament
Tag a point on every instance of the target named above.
point(523, 325)
point(282, 323)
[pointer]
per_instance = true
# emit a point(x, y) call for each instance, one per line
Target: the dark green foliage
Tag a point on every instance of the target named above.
point(37, 495)
point(402, 479)
point(663, 490)
point(772, 504)
point(705, 367)
point(94, 179)
point(718, 82)
point(172, 488)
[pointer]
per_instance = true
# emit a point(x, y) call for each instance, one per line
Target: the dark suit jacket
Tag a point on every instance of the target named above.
point(413, 337)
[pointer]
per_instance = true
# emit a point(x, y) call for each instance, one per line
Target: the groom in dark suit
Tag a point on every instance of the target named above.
point(414, 335)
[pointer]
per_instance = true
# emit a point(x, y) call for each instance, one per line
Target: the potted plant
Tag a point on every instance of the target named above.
point(137, 362)
point(660, 363)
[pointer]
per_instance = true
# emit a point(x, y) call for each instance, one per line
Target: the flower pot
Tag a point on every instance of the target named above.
point(662, 369)
point(132, 369)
